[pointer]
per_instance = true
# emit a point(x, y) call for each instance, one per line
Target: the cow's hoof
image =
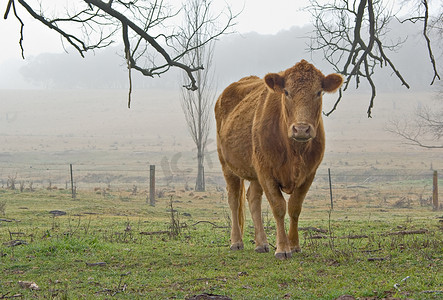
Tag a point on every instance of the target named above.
point(283, 255)
point(296, 250)
point(237, 246)
point(262, 249)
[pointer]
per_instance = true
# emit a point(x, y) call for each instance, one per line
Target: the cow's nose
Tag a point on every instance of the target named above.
point(301, 132)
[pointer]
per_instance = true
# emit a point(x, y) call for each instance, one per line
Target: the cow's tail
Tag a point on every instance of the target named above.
point(241, 206)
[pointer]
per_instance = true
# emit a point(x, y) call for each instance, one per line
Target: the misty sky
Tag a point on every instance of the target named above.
point(262, 16)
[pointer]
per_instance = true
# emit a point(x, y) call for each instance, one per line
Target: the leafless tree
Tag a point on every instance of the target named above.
point(153, 44)
point(354, 38)
point(197, 106)
point(425, 128)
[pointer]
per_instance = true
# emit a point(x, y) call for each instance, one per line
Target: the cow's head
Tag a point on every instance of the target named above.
point(301, 88)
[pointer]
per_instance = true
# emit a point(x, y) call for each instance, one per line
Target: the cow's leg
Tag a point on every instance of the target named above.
point(235, 190)
point(278, 206)
point(254, 197)
point(294, 208)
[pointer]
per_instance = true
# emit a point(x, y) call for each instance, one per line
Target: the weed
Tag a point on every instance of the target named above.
point(134, 190)
point(31, 187)
point(160, 193)
point(227, 219)
point(49, 187)
point(331, 235)
point(3, 207)
point(174, 225)
point(10, 183)
point(267, 220)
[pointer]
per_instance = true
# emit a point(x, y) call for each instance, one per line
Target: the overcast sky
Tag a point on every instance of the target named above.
point(262, 16)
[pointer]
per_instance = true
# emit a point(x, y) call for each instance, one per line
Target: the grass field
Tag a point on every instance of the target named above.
point(113, 244)
point(382, 240)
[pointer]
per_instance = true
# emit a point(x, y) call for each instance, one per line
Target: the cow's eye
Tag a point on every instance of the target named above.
point(319, 93)
point(286, 93)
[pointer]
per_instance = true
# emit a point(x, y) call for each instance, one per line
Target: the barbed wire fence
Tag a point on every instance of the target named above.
point(396, 187)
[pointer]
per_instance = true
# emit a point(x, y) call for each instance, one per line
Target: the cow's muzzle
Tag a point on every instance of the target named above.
point(301, 132)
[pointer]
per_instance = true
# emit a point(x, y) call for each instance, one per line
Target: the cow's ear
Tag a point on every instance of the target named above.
point(332, 83)
point(275, 82)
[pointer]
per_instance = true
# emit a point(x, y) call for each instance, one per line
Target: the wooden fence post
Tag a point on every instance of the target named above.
point(330, 188)
point(435, 191)
point(152, 185)
point(72, 182)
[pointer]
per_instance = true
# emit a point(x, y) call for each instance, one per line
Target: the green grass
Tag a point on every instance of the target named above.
point(96, 251)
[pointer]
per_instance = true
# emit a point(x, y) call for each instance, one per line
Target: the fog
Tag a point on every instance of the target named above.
point(236, 56)
point(62, 102)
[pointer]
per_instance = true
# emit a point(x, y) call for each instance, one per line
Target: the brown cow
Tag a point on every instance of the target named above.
point(270, 132)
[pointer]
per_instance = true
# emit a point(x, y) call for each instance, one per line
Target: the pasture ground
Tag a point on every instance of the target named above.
point(114, 245)
point(382, 240)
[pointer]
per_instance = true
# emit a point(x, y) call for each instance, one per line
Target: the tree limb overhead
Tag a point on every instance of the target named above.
point(152, 41)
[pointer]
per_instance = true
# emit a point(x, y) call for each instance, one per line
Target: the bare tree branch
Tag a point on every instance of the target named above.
point(412, 135)
point(99, 21)
point(351, 35)
point(77, 43)
point(425, 129)
point(11, 3)
point(428, 41)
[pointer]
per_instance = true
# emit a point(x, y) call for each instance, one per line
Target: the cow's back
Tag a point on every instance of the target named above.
point(234, 113)
point(233, 95)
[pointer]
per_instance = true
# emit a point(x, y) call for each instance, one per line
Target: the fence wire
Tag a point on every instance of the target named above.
point(87, 176)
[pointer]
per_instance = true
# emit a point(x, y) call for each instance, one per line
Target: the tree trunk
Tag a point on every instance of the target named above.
point(200, 182)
